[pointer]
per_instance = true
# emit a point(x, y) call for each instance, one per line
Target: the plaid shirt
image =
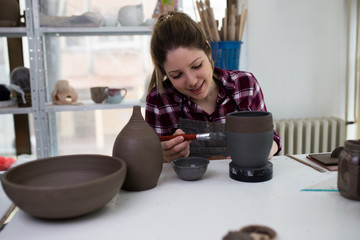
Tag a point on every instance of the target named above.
point(164, 110)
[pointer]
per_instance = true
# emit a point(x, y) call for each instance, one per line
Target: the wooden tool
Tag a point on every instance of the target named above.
point(233, 23)
point(6, 215)
point(306, 163)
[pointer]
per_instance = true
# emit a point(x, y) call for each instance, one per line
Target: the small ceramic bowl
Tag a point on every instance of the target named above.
point(64, 186)
point(190, 168)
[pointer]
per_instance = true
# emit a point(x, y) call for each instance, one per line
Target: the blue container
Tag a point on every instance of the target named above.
point(226, 54)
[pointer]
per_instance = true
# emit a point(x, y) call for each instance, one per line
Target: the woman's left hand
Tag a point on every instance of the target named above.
point(274, 149)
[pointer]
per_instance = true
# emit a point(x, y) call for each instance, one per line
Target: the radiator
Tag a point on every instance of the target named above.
point(312, 135)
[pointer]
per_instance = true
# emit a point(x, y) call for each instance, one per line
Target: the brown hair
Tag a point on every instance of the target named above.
point(173, 30)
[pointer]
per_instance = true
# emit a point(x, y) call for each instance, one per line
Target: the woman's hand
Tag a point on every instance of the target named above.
point(175, 148)
point(273, 150)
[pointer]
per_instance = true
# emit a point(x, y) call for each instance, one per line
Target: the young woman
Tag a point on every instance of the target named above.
point(187, 94)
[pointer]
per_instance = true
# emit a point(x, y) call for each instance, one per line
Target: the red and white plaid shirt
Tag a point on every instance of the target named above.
point(164, 110)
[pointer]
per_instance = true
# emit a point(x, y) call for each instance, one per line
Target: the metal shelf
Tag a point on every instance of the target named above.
point(96, 31)
point(15, 110)
point(44, 119)
point(12, 31)
point(90, 106)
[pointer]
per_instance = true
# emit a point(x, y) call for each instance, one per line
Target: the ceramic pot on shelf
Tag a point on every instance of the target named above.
point(139, 146)
point(131, 15)
point(9, 13)
point(249, 138)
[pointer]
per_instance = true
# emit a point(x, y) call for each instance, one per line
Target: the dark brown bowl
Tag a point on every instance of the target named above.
point(64, 186)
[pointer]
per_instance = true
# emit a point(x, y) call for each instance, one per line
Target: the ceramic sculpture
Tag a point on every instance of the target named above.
point(63, 93)
point(139, 146)
point(20, 84)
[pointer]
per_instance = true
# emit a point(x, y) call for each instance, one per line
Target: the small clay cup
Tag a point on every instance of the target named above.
point(249, 137)
point(116, 95)
point(98, 94)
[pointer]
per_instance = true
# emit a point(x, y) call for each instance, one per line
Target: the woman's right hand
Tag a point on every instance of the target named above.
point(176, 147)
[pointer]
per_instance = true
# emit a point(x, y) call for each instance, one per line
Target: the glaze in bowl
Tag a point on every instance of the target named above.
point(190, 168)
point(64, 186)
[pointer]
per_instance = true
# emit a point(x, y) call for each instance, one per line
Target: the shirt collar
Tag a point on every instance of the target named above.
point(223, 76)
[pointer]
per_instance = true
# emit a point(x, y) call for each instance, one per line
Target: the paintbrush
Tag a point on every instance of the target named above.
point(199, 136)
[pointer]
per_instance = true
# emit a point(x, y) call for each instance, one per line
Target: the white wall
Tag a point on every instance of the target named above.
point(297, 51)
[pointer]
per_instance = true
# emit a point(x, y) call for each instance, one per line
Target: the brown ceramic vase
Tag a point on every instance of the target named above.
point(139, 146)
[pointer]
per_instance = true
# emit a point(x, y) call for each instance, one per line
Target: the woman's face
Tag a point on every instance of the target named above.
point(190, 72)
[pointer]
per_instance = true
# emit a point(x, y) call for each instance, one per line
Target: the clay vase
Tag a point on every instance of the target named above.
point(139, 146)
point(9, 13)
point(249, 137)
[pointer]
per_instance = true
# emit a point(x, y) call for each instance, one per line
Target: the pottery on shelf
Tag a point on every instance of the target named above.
point(116, 95)
point(20, 84)
point(98, 94)
point(64, 93)
point(131, 15)
point(139, 146)
point(9, 13)
point(4, 93)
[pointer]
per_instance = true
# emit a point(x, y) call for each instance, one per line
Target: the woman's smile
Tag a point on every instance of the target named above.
point(197, 90)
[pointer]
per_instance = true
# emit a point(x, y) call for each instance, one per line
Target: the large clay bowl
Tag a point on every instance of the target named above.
point(64, 186)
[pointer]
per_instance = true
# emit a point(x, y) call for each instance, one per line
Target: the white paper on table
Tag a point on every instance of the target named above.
point(329, 185)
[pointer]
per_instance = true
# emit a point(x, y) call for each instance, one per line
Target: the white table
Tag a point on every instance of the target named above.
point(209, 209)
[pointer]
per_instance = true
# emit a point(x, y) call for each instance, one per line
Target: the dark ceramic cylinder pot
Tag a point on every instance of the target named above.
point(249, 137)
point(139, 146)
point(349, 170)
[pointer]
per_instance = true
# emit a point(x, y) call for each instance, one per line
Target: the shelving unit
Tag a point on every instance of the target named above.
point(15, 110)
point(42, 110)
point(96, 31)
point(91, 106)
point(12, 31)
